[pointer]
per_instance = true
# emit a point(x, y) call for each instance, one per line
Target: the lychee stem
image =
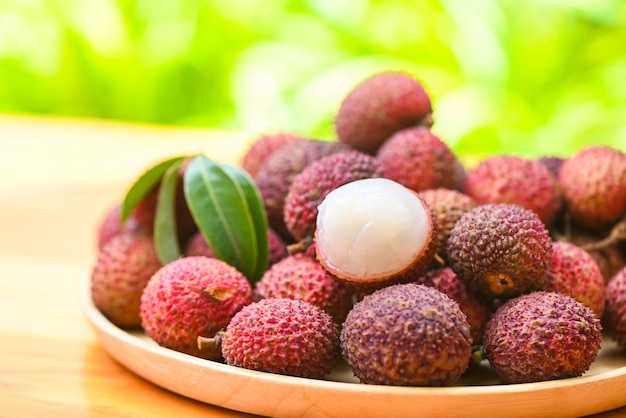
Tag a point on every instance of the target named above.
point(618, 233)
point(300, 246)
point(210, 348)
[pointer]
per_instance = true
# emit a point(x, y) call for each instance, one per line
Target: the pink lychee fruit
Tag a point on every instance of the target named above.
point(262, 147)
point(614, 319)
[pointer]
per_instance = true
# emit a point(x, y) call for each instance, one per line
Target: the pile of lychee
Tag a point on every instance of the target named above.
point(390, 253)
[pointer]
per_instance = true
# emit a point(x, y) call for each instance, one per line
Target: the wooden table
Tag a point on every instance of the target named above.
point(57, 178)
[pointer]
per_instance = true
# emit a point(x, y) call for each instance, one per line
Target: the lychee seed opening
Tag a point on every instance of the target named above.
point(371, 229)
point(498, 282)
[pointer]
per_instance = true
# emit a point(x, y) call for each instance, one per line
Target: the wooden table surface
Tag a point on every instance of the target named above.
point(57, 178)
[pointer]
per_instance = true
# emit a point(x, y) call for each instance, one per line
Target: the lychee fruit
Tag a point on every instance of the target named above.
point(610, 258)
point(311, 186)
point(518, 180)
point(379, 106)
point(283, 336)
point(277, 173)
point(447, 206)
point(541, 336)
point(302, 277)
point(111, 225)
point(593, 183)
point(552, 163)
point(262, 147)
point(500, 249)
point(374, 232)
point(614, 319)
point(123, 267)
point(475, 307)
point(407, 335)
point(191, 297)
point(420, 160)
point(575, 273)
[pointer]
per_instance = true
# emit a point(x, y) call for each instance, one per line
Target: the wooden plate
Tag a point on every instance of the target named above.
point(478, 394)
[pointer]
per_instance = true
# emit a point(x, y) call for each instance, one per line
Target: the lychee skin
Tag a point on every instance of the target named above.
point(518, 180)
point(541, 336)
point(191, 297)
point(111, 225)
point(500, 250)
point(593, 182)
point(574, 272)
point(475, 307)
point(262, 147)
point(379, 106)
point(124, 265)
point(407, 335)
point(302, 277)
point(311, 186)
point(614, 319)
point(283, 336)
point(420, 160)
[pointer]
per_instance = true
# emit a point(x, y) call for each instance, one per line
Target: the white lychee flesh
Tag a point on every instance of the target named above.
point(372, 229)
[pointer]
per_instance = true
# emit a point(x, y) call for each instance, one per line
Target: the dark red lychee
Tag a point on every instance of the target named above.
point(614, 319)
point(262, 147)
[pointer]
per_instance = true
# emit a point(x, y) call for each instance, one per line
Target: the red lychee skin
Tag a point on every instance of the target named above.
point(447, 206)
point(283, 336)
point(301, 277)
point(191, 297)
point(262, 147)
point(541, 336)
point(614, 318)
point(593, 183)
point(379, 106)
point(420, 160)
point(277, 173)
point(407, 335)
point(311, 186)
point(574, 272)
point(518, 180)
point(111, 225)
point(124, 266)
point(476, 307)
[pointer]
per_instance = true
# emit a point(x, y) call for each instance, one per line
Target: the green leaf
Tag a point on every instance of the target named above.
point(145, 184)
point(165, 229)
point(229, 212)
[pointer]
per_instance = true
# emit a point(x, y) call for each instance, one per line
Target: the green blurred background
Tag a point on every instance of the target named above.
point(531, 77)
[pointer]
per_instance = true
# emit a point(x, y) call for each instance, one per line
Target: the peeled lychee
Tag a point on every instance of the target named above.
point(379, 106)
point(541, 336)
point(300, 276)
point(518, 180)
point(311, 186)
point(407, 334)
point(124, 265)
point(262, 147)
point(191, 297)
point(500, 249)
point(283, 336)
point(593, 182)
point(375, 232)
point(575, 273)
point(614, 319)
point(420, 160)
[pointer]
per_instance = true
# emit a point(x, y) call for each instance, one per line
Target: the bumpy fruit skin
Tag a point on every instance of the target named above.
point(277, 173)
point(518, 180)
point(575, 273)
point(407, 335)
point(300, 276)
point(283, 336)
point(610, 259)
point(541, 336)
point(191, 297)
point(593, 182)
point(420, 160)
point(111, 225)
point(614, 319)
point(311, 186)
point(262, 147)
point(124, 265)
point(475, 307)
point(379, 106)
point(447, 206)
point(500, 249)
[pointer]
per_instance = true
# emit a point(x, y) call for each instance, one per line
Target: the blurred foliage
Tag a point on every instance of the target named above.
point(535, 77)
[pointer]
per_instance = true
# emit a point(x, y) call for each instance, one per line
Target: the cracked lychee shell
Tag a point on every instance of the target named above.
point(283, 336)
point(541, 336)
point(191, 297)
point(501, 250)
point(407, 335)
